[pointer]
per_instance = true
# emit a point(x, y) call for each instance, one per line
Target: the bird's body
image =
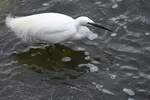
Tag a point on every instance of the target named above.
point(49, 27)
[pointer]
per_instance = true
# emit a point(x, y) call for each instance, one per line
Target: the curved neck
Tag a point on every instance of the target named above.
point(78, 23)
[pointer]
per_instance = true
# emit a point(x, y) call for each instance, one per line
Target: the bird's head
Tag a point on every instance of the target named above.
point(85, 21)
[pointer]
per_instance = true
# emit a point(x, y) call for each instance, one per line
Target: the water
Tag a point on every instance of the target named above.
point(112, 67)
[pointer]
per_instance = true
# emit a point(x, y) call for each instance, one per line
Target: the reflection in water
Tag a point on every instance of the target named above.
point(53, 59)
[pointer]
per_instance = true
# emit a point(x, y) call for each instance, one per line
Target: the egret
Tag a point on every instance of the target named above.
point(52, 27)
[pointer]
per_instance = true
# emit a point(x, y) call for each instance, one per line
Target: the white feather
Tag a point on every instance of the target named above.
point(50, 27)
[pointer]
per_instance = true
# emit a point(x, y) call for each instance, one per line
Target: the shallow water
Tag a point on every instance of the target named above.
point(112, 67)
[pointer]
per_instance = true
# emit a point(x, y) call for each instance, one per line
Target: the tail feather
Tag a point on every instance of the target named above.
point(8, 20)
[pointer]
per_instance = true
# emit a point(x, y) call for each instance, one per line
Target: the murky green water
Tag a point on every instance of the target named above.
point(112, 67)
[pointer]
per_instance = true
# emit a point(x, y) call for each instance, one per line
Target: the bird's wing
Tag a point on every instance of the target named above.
point(46, 23)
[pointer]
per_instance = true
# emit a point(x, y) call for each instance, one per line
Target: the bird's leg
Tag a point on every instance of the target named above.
point(51, 46)
point(54, 45)
point(39, 44)
point(47, 50)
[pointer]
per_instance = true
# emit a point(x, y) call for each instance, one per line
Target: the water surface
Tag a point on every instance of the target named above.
point(112, 67)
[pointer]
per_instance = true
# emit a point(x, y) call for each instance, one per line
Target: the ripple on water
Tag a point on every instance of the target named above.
point(125, 67)
point(9, 70)
point(124, 48)
point(128, 91)
point(92, 67)
point(102, 89)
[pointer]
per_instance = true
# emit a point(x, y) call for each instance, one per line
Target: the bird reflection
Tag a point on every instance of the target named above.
point(56, 58)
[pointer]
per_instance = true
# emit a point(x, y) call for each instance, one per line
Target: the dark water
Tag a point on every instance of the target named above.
point(112, 67)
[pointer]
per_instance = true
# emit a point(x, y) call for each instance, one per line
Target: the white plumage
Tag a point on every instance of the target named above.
point(50, 27)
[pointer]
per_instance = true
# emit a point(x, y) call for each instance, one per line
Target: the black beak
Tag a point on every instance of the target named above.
point(100, 26)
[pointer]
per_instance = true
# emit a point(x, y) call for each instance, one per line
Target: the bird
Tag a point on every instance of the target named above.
point(52, 27)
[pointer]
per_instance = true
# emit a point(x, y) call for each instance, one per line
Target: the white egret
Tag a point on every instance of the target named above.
point(51, 27)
